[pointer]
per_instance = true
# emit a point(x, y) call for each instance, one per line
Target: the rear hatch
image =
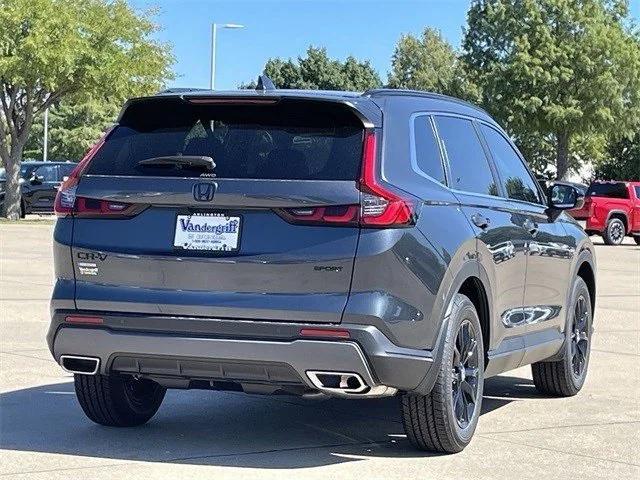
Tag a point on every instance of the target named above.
point(269, 233)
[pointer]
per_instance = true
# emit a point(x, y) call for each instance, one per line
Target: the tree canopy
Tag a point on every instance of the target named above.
point(430, 63)
point(73, 128)
point(317, 71)
point(560, 69)
point(622, 162)
point(55, 50)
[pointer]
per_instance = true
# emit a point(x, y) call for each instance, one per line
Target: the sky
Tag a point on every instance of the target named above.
point(285, 28)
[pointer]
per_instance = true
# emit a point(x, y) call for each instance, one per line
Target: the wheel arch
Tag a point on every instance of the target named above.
point(622, 215)
point(473, 288)
point(472, 281)
point(586, 272)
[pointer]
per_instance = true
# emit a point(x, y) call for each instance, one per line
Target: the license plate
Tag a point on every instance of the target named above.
point(207, 231)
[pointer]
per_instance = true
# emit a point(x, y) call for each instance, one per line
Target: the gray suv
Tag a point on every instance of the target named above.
point(309, 242)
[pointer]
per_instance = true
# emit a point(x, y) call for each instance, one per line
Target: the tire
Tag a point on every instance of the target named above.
point(615, 232)
point(118, 401)
point(431, 421)
point(561, 378)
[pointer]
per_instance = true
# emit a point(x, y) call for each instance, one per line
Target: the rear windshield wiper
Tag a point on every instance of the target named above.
point(180, 161)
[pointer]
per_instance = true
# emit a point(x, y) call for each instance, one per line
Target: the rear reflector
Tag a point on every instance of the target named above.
point(84, 319)
point(324, 333)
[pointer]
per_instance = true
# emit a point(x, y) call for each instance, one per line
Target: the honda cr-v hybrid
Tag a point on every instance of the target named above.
point(306, 242)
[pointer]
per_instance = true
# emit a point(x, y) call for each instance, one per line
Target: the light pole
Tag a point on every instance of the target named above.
point(46, 135)
point(214, 29)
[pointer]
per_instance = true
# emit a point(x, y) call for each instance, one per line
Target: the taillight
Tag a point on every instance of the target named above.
point(380, 206)
point(68, 203)
point(91, 207)
point(341, 215)
point(66, 196)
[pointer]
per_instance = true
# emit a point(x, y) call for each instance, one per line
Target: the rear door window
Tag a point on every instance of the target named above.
point(287, 140)
point(468, 164)
point(49, 173)
point(66, 169)
point(426, 155)
point(515, 178)
point(608, 190)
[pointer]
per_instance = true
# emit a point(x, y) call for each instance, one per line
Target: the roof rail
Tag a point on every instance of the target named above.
point(182, 90)
point(421, 93)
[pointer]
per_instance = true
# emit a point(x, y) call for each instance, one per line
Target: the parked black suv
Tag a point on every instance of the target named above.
point(39, 182)
point(278, 241)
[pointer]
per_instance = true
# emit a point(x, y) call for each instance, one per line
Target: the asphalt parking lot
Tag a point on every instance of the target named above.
point(200, 434)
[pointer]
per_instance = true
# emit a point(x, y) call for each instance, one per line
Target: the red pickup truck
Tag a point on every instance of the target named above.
point(611, 209)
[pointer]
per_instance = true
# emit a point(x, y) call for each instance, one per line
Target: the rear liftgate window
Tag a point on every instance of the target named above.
point(289, 140)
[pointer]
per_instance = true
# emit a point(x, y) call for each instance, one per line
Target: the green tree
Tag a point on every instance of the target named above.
point(561, 69)
point(55, 50)
point(540, 151)
point(622, 161)
point(430, 63)
point(73, 128)
point(317, 71)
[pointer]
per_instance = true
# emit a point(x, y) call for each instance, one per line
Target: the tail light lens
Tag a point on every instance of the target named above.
point(90, 207)
point(379, 206)
point(342, 215)
point(68, 203)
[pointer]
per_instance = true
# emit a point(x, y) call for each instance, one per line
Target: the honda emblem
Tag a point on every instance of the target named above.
point(203, 192)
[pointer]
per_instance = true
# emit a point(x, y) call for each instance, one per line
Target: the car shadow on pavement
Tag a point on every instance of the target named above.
point(225, 428)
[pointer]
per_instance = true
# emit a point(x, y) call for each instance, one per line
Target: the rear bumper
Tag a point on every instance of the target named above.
point(245, 352)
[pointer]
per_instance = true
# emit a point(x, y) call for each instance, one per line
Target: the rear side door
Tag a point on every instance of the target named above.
point(549, 250)
point(501, 239)
point(43, 187)
point(281, 198)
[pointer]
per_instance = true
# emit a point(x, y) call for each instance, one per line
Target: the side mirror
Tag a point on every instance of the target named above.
point(564, 196)
point(36, 180)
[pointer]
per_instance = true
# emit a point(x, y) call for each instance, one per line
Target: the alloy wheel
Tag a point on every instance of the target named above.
point(616, 232)
point(580, 338)
point(140, 392)
point(465, 375)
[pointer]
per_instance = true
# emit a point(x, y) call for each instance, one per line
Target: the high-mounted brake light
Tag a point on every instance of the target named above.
point(233, 101)
point(380, 207)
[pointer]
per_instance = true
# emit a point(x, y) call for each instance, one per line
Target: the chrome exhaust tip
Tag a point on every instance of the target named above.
point(338, 382)
point(79, 365)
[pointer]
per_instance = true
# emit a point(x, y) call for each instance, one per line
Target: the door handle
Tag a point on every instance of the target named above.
point(530, 226)
point(480, 221)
